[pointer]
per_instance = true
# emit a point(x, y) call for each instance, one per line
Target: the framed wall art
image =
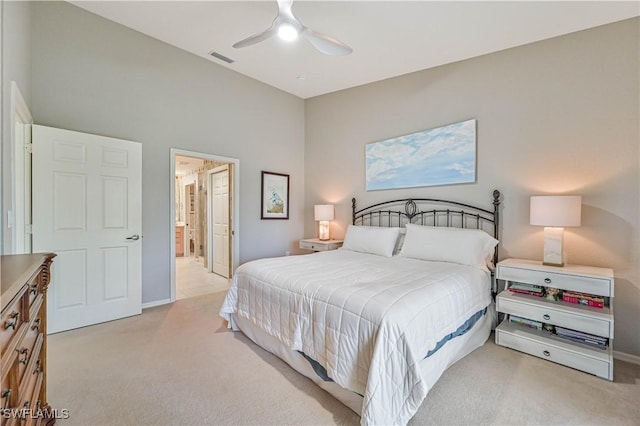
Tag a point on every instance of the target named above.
point(275, 196)
point(441, 156)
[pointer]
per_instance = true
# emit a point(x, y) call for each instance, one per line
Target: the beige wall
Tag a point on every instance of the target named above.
point(95, 76)
point(558, 116)
point(16, 66)
point(554, 117)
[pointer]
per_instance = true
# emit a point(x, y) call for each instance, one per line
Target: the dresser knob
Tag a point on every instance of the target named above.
point(546, 316)
point(12, 321)
point(23, 413)
point(6, 394)
point(546, 353)
point(36, 324)
point(547, 280)
point(25, 352)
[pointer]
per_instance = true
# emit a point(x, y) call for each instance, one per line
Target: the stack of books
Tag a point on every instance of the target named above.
point(581, 337)
point(525, 322)
point(524, 288)
point(583, 299)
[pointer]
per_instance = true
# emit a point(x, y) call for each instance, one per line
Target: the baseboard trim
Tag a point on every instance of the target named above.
point(156, 303)
point(623, 356)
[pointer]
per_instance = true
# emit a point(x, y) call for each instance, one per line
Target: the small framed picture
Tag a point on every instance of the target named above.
point(275, 196)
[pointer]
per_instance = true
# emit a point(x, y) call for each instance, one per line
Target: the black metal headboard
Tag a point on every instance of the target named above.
point(433, 212)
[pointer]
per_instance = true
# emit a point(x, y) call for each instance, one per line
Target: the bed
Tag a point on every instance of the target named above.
point(377, 322)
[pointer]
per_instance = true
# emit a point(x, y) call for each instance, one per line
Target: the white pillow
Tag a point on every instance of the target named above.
point(369, 239)
point(472, 247)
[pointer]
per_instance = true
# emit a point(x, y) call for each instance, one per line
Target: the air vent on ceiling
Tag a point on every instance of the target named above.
point(221, 57)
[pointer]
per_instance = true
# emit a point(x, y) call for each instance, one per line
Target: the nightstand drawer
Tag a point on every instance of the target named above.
point(320, 245)
point(592, 361)
point(599, 323)
point(307, 245)
point(582, 284)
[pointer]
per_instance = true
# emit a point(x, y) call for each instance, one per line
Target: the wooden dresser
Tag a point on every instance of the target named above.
point(23, 339)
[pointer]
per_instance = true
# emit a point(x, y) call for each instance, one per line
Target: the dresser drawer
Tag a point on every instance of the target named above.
point(597, 286)
point(27, 349)
point(34, 289)
point(599, 324)
point(10, 321)
point(36, 400)
point(594, 361)
point(32, 369)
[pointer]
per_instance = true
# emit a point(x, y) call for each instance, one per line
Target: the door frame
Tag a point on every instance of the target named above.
point(21, 187)
point(210, 249)
point(235, 231)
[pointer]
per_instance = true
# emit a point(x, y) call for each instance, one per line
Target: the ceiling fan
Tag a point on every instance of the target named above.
point(288, 27)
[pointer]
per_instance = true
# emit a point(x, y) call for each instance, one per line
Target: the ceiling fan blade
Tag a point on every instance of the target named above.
point(257, 38)
point(326, 44)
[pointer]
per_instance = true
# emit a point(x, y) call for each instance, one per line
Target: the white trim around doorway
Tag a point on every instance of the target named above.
point(235, 232)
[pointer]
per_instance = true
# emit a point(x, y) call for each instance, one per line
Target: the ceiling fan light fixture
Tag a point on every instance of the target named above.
point(288, 28)
point(287, 32)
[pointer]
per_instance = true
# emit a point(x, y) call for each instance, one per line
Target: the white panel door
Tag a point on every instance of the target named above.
point(220, 218)
point(87, 204)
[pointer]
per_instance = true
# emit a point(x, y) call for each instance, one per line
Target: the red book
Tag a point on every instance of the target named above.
point(581, 301)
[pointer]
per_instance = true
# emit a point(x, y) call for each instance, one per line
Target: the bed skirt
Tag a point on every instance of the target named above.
point(431, 367)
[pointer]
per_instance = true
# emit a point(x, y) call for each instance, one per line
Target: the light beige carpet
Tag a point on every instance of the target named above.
point(177, 364)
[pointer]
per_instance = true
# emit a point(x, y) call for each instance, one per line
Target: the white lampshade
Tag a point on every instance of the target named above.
point(323, 212)
point(555, 210)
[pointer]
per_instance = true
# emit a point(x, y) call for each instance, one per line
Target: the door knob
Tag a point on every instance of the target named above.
point(135, 237)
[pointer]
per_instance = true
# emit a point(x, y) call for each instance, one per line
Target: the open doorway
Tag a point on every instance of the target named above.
point(204, 223)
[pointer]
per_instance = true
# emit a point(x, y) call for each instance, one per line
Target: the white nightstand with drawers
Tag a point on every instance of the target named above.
point(575, 319)
point(316, 244)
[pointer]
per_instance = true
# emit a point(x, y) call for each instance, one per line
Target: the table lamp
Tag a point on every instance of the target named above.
point(554, 212)
point(323, 213)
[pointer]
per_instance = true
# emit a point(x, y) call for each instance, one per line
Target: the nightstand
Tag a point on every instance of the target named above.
point(315, 244)
point(572, 330)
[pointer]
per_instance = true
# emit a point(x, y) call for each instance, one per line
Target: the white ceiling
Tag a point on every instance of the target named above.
point(389, 38)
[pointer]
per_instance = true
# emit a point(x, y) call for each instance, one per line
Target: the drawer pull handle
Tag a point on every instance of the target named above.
point(25, 409)
point(546, 316)
point(6, 394)
point(25, 352)
point(38, 368)
point(547, 280)
point(546, 353)
point(36, 324)
point(34, 288)
point(12, 321)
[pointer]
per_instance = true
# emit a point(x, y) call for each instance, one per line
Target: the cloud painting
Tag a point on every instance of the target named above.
point(441, 156)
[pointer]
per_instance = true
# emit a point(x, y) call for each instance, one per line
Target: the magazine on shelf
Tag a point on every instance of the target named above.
point(582, 337)
point(525, 322)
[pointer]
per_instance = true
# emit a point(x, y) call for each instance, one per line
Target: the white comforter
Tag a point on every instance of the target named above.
point(367, 319)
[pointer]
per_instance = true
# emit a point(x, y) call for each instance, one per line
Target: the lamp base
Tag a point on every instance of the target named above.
point(553, 246)
point(323, 230)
